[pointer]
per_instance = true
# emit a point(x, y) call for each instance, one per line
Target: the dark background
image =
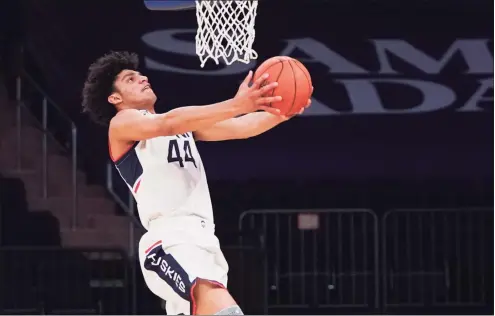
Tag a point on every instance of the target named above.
point(438, 165)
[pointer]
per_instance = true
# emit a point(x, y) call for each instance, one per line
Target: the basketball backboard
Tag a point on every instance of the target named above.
point(169, 5)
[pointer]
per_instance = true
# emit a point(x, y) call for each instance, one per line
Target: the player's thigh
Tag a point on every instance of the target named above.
point(165, 276)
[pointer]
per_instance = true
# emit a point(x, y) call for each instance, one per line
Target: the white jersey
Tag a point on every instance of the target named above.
point(166, 176)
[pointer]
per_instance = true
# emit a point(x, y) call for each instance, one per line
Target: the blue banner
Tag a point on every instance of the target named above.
point(400, 91)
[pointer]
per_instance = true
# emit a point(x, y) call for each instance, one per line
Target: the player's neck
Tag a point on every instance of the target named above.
point(150, 109)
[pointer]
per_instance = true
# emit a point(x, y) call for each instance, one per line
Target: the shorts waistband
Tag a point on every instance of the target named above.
point(181, 223)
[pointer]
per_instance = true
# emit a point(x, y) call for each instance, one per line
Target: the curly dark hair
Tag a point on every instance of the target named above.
point(100, 84)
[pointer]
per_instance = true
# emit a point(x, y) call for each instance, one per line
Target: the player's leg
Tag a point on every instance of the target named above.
point(178, 274)
point(208, 271)
point(165, 276)
point(212, 298)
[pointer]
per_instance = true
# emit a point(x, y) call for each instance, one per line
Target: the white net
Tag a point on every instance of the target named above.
point(225, 30)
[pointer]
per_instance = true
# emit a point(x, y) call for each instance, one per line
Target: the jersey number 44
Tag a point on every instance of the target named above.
point(179, 155)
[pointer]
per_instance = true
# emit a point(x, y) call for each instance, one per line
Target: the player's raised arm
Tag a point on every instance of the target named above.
point(131, 125)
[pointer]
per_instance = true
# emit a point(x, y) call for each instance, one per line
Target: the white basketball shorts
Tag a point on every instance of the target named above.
point(174, 253)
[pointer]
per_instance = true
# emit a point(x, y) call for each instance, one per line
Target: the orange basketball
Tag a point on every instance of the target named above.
point(294, 83)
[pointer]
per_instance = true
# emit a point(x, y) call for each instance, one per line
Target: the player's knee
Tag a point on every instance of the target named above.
point(232, 310)
point(213, 299)
point(205, 286)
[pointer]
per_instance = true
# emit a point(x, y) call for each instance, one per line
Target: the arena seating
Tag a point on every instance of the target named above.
point(37, 239)
point(99, 225)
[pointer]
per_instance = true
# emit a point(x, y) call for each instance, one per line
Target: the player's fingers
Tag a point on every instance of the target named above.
point(270, 109)
point(267, 100)
point(247, 80)
point(268, 88)
point(309, 103)
point(312, 89)
point(257, 83)
point(301, 111)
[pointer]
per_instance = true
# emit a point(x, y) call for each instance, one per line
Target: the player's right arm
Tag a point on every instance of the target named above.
point(131, 125)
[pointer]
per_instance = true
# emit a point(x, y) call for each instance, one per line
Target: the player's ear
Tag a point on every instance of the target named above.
point(114, 98)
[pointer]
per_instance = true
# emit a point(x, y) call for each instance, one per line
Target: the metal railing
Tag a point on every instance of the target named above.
point(436, 260)
point(23, 82)
point(436, 257)
point(309, 266)
point(128, 206)
point(136, 230)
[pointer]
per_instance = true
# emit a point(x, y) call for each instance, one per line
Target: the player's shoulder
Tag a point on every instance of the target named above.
point(127, 114)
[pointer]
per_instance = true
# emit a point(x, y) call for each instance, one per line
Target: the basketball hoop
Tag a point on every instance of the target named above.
point(226, 30)
point(225, 27)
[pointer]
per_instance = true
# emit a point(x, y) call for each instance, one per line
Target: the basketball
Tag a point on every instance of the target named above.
point(294, 83)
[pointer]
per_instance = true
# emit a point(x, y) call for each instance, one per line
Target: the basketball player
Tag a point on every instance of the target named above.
point(156, 156)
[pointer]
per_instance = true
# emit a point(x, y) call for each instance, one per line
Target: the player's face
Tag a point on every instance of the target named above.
point(133, 89)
